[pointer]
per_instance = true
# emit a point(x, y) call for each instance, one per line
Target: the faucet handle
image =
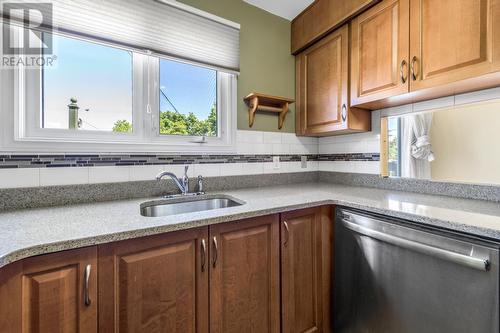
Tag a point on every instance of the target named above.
point(200, 185)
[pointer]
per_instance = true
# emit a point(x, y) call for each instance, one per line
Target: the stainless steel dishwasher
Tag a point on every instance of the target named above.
point(396, 277)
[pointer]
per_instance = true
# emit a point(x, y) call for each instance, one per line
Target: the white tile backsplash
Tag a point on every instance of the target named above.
point(291, 138)
point(270, 168)
point(109, 174)
point(250, 136)
point(397, 110)
point(303, 148)
point(272, 137)
point(178, 170)
point(274, 143)
point(64, 176)
point(478, 96)
point(281, 149)
point(372, 167)
point(232, 169)
point(144, 172)
point(207, 170)
point(434, 104)
point(297, 166)
point(253, 168)
point(14, 178)
point(248, 142)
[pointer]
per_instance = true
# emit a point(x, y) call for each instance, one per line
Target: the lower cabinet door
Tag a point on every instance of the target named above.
point(50, 293)
point(155, 284)
point(244, 276)
point(306, 270)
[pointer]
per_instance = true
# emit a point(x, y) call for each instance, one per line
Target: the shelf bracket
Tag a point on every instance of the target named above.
point(267, 103)
point(254, 103)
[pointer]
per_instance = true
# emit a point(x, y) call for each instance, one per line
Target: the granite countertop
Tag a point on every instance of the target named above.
point(32, 232)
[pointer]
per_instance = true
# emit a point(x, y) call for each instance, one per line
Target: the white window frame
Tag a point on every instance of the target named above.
point(21, 107)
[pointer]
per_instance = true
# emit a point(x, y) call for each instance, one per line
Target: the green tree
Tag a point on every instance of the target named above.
point(172, 122)
point(122, 126)
point(393, 149)
point(212, 121)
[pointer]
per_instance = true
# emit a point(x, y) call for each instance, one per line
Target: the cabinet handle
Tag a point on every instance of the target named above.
point(216, 251)
point(86, 292)
point(414, 74)
point(401, 68)
point(344, 112)
point(287, 233)
point(203, 254)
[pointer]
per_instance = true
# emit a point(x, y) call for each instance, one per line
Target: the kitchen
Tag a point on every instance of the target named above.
point(254, 166)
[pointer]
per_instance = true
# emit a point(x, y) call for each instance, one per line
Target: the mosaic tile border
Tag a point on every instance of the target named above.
point(92, 160)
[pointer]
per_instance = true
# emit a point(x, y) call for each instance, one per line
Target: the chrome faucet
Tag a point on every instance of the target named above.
point(182, 184)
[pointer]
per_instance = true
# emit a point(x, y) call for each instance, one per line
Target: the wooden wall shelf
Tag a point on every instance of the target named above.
point(267, 103)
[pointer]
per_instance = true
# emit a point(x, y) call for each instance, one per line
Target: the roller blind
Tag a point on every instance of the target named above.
point(161, 26)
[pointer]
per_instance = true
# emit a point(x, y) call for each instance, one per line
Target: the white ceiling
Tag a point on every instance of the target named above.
point(285, 8)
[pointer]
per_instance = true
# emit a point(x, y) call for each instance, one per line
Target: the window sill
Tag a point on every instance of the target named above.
point(66, 146)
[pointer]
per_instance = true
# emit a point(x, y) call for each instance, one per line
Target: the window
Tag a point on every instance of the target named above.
point(103, 97)
point(99, 80)
point(188, 99)
point(394, 141)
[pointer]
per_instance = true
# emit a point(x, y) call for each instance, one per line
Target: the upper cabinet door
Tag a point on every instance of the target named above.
point(155, 284)
point(322, 79)
point(244, 276)
point(321, 17)
point(379, 54)
point(453, 40)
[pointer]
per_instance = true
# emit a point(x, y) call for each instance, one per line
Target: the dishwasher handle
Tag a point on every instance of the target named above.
point(482, 264)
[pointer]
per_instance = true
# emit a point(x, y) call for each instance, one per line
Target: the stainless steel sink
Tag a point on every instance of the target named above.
point(187, 205)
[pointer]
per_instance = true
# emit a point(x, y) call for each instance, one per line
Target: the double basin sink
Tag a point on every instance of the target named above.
point(188, 204)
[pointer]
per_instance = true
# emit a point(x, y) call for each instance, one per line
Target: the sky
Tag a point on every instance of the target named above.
point(100, 78)
point(189, 88)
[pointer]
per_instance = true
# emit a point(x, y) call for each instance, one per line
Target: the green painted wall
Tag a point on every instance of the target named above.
point(266, 65)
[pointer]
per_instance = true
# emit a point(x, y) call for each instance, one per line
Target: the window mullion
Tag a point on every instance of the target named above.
point(153, 95)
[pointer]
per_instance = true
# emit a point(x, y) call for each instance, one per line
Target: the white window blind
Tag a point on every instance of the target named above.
point(161, 26)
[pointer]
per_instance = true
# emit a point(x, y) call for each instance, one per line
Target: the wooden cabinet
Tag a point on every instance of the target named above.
point(306, 268)
point(244, 276)
point(50, 293)
point(229, 277)
point(406, 51)
point(155, 284)
point(164, 282)
point(453, 40)
point(322, 96)
point(321, 17)
point(380, 52)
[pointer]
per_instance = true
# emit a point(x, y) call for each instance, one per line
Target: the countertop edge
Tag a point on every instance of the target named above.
point(46, 248)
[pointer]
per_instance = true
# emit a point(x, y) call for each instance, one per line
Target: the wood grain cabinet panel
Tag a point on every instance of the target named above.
point(224, 278)
point(244, 276)
point(306, 270)
point(46, 293)
point(380, 52)
point(322, 97)
point(321, 17)
point(155, 284)
point(453, 40)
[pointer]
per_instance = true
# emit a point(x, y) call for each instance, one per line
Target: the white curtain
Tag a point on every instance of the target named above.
point(416, 148)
